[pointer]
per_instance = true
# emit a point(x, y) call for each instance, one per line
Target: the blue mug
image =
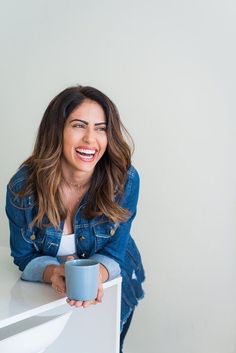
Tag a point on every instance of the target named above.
point(82, 279)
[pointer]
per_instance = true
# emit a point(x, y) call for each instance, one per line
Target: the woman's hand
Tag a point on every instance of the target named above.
point(56, 276)
point(102, 278)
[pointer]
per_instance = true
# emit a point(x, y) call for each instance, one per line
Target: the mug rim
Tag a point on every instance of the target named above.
point(90, 262)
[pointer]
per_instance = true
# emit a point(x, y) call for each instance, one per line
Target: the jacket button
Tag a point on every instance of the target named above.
point(33, 237)
point(112, 231)
point(81, 238)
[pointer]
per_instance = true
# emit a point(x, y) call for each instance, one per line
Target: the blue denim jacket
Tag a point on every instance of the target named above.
point(109, 243)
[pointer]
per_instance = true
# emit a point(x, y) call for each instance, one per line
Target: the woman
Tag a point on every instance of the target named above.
point(76, 197)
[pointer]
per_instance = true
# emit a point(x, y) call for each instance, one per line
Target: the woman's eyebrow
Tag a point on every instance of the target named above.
point(86, 122)
point(82, 121)
point(103, 123)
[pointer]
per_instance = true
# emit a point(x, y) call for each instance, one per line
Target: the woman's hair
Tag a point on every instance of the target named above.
point(44, 165)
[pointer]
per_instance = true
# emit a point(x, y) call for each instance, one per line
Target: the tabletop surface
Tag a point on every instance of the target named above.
point(21, 299)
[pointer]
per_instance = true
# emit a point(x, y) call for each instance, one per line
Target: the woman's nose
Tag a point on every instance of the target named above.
point(89, 136)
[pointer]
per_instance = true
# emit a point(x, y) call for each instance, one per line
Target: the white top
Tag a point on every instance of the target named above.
point(67, 245)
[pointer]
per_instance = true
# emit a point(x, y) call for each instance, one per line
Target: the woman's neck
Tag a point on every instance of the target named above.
point(76, 179)
point(73, 188)
point(76, 183)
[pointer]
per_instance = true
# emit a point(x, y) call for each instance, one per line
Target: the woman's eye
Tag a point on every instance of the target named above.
point(79, 125)
point(102, 129)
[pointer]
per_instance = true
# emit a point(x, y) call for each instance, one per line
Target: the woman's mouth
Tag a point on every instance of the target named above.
point(86, 155)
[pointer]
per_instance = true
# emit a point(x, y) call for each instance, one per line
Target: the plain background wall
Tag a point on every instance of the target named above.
point(170, 68)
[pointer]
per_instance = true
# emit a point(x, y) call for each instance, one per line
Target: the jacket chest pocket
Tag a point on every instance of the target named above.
point(103, 232)
point(42, 240)
point(32, 237)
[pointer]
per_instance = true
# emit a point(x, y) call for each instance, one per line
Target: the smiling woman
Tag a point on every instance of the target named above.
point(84, 140)
point(76, 197)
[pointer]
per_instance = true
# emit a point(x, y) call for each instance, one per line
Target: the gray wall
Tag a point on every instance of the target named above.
point(170, 68)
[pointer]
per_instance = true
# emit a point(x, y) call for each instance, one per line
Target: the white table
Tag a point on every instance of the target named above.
point(94, 329)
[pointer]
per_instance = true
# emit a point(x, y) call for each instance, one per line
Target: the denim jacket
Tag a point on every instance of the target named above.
point(109, 243)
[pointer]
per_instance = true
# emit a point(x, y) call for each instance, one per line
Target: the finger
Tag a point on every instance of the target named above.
point(87, 303)
point(58, 277)
point(59, 284)
point(70, 258)
point(78, 304)
point(70, 302)
point(100, 294)
point(59, 290)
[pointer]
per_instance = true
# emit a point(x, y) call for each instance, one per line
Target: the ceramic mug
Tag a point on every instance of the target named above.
point(82, 279)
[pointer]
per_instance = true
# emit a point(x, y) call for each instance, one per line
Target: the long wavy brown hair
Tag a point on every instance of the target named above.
point(44, 165)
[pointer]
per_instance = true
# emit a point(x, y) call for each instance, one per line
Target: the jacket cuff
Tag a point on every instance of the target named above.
point(111, 265)
point(35, 268)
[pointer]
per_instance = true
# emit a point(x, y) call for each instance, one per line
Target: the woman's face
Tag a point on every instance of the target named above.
point(84, 138)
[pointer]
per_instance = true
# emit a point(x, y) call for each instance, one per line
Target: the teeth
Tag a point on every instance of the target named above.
point(89, 152)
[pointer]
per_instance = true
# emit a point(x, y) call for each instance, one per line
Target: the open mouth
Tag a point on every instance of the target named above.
point(86, 154)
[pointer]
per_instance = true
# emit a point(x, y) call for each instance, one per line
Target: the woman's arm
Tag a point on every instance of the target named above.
point(24, 253)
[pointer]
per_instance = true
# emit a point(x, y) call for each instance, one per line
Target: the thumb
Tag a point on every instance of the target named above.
point(70, 257)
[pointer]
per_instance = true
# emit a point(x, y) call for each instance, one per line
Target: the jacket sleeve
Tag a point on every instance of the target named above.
point(23, 251)
point(113, 268)
point(115, 249)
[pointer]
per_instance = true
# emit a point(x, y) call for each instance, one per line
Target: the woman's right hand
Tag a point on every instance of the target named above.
point(58, 279)
point(55, 274)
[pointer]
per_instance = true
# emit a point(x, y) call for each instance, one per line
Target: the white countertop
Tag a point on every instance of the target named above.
point(20, 299)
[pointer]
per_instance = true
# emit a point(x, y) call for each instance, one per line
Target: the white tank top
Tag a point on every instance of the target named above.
point(67, 245)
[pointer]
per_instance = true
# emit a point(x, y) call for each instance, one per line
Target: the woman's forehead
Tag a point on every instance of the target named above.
point(89, 109)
